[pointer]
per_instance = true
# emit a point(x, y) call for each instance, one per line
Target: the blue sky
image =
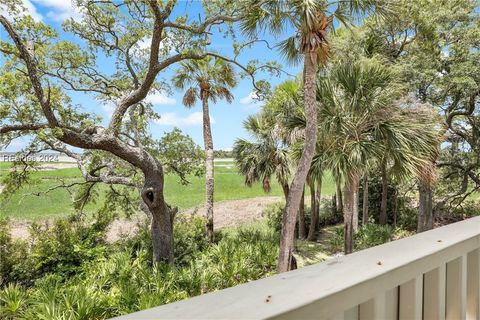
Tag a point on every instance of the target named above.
point(226, 118)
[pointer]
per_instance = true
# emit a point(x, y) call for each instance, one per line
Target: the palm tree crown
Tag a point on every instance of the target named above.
point(210, 76)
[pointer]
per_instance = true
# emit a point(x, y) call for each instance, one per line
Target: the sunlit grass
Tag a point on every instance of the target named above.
point(229, 185)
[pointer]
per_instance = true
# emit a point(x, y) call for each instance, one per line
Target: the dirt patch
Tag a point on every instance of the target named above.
point(55, 166)
point(236, 212)
point(227, 214)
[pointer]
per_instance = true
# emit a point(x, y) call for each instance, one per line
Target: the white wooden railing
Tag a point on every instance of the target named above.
point(432, 275)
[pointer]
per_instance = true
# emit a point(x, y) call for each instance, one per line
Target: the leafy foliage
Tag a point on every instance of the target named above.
point(83, 282)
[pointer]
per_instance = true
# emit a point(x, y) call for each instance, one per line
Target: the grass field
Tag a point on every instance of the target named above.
point(229, 185)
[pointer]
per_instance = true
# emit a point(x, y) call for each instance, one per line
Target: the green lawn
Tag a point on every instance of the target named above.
point(229, 185)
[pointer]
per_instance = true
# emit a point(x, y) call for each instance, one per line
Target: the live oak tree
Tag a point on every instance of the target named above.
point(434, 45)
point(140, 39)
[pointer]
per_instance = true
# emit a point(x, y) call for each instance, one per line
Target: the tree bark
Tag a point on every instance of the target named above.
point(395, 207)
point(383, 203)
point(315, 195)
point(356, 208)
point(293, 201)
point(286, 190)
point(339, 198)
point(350, 193)
point(301, 217)
point(161, 214)
point(318, 198)
point(365, 201)
point(209, 179)
point(425, 208)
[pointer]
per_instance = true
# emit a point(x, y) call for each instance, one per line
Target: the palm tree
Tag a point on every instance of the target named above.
point(315, 182)
point(207, 80)
point(267, 156)
point(359, 111)
point(311, 20)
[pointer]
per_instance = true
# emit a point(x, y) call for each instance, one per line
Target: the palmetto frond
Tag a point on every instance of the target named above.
point(365, 125)
point(264, 157)
point(209, 76)
point(311, 19)
point(190, 97)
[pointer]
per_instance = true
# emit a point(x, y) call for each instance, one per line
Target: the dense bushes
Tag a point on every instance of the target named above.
point(367, 236)
point(327, 216)
point(67, 270)
point(59, 248)
point(76, 275)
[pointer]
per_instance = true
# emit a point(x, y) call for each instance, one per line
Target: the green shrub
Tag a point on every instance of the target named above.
point(60, 248)
point(12, 255)
point(371, 235)
point(328, 214)
point(408, 219)
point(336, 240)
point(367, 236)
point(123, 279)
point(13, 301)
point(274, 212)
point(467, 209)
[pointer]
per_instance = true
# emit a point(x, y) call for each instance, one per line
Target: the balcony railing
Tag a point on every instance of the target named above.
point(432, 275)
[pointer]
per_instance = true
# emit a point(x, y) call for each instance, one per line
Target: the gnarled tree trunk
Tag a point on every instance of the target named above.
point(161, 214)
point(350, 194)
point(209, 179)
point(315, 195)
point(290, 215)
point(365, 201)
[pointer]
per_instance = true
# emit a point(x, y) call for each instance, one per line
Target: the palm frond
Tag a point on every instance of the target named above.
point(190, 97)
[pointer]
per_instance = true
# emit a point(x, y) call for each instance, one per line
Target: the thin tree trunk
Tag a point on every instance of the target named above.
point(286, 190)
point(285, 261)
point(350, 193)
point(315, 195)
point(365, 201)
point(334, 205)
point(383, 203)
point(425, 209)
point(395, 207)
point(318, 198)
point(301, 217)
point(209, 180)
point(339, 198)
point(356, 208)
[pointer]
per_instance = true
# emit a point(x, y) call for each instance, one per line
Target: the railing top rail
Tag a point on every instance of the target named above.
point(330, 286)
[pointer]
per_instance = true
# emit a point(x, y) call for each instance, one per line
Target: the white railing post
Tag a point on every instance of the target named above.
point(456, 288)
point(473, 285)
point(383, 306)
point(411, 299)
point(434, 294)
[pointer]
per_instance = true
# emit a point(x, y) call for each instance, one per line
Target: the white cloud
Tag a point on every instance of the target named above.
point(59, 9)
point(108, 109)
point(29, 10)
point(160, 98)
point(251, 101)
point(173, 119)
point(60, 5)
point(166, 46)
